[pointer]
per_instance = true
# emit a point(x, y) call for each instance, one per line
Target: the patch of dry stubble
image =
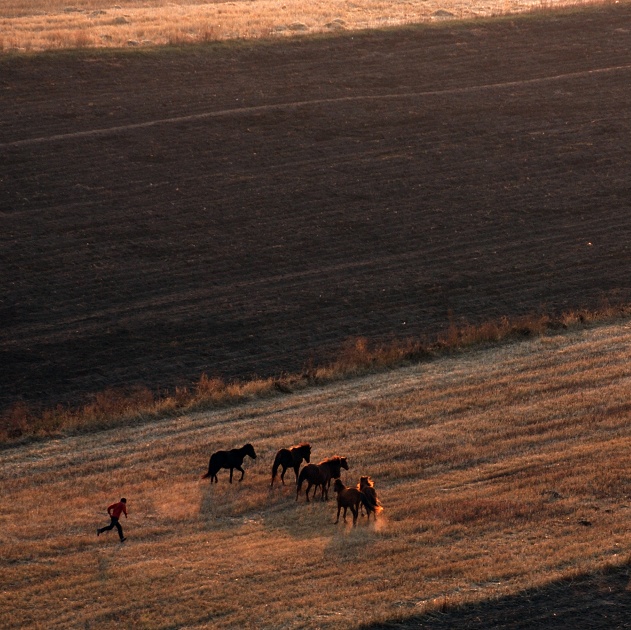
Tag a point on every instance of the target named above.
point(51, 24)
point(499, 470)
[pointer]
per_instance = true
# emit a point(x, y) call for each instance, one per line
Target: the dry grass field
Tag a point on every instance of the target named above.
point(503, 473)
point(31, 25)
point(253, 209)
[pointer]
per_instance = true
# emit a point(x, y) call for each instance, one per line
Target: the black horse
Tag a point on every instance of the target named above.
point(290, 458)
point(321, 475)
point(228, 459)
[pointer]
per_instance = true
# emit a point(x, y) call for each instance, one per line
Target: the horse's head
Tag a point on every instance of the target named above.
point(306, 452)
point(344, 463)
point(365, 482)
point(338, 486)
point(249, 450)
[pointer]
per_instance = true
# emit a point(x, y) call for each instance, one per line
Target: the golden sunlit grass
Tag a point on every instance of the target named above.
point(499, 469)
point(115, 407)
point(112, 408)
point(33, 25)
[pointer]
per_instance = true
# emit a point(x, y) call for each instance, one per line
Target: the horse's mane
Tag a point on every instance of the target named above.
point(368, 481)
point(331, 460)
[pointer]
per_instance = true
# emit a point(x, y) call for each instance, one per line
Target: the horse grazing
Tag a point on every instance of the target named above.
point(347, 498)
point(320, 475)
point(290, 458)
point(228, 459)
point(371, 502)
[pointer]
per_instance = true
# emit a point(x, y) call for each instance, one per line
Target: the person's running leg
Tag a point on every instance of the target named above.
point(112, 525)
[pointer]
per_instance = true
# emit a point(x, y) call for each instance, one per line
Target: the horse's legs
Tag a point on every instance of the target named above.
point(242, 472)
point(231, 469)
point(309, 484)
point(354, 511)
point(339, 507)
point(282, 475)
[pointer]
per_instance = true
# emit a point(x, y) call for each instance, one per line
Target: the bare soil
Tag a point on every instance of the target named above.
point(243, 208)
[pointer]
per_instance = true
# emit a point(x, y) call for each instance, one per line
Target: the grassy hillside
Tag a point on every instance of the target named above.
point(500, 470)
point(28, 25)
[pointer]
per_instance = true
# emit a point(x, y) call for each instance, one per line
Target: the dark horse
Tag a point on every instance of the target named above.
point(347, 498)
point(228, 459)
point(371, 502)
point(290, 458)
point(321, 475)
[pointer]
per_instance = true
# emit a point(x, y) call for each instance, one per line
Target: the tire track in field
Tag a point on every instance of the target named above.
point(256, 109)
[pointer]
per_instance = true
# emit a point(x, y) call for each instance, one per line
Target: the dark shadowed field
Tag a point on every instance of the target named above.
point(242, 209)
point(598, 601)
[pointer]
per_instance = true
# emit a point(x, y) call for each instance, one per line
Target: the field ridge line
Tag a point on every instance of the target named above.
point(298, 104)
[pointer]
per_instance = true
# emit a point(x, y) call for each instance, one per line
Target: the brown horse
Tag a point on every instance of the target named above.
point(290, 458)
point(347, 498)
point(228, 459)
point(321, 475)
point(372, 503)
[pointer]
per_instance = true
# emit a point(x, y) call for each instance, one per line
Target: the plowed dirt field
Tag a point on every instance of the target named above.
point(243, 208)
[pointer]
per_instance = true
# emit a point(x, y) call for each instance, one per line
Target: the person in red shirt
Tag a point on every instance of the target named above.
point(115, 510)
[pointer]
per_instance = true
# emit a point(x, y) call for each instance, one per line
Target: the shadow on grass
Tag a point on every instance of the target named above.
point(593, 600)
point(225, 506)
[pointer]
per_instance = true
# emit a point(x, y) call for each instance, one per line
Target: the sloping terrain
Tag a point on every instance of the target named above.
point(503, 474)
point(599, 600)
point(243, 209)
point(36, 25)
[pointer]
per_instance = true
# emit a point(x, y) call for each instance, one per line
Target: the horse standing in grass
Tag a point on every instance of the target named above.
point(348, 498)
point(372, 503)
point(228, 459)
point(290, 458)
point(321, 475)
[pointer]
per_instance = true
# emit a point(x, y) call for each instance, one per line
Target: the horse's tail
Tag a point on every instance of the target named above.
point(275, 466)
point(209, 473)
point(377, 502)
point(301, 477)
point(370, 502)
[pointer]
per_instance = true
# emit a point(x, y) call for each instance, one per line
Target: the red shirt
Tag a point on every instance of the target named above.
point(116, 509)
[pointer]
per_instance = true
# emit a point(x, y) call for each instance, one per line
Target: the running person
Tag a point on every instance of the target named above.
point(114, 511)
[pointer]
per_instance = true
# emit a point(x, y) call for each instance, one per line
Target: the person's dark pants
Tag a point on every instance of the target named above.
point(112, 525)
